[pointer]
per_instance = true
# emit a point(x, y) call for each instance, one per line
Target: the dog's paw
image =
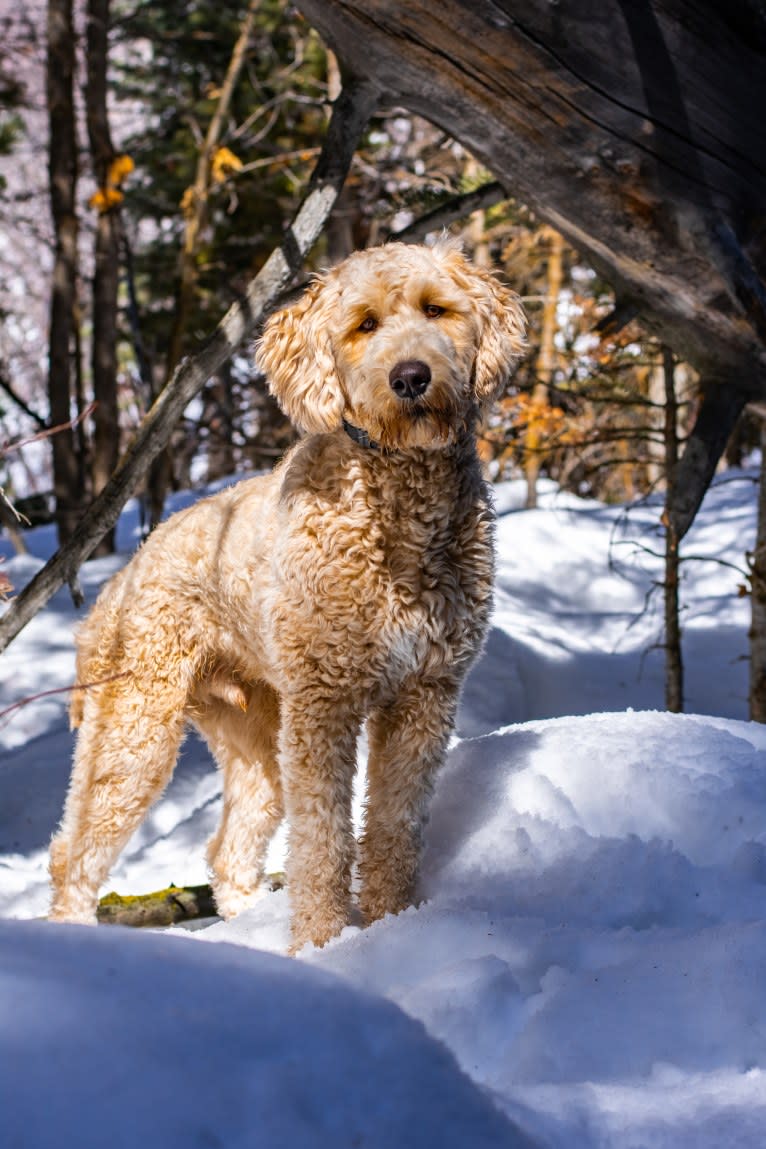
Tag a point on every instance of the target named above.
point(231, 900)
point(78, 917)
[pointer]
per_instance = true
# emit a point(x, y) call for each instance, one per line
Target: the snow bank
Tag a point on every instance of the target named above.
point(592, 944)
point(113, 1038)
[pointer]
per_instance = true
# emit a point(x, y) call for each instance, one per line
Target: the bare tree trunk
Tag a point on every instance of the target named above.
point(674, 668)
point(62, 171)
point(106, 274)
point(758, 585)
point(533, 439)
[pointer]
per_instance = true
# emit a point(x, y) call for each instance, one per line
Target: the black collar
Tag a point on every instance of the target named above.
point(359, 436)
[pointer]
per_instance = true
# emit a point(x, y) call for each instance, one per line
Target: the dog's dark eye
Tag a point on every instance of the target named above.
point(368, 324)
point(432, 310)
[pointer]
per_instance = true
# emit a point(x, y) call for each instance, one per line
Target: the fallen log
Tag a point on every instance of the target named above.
point(165, 907)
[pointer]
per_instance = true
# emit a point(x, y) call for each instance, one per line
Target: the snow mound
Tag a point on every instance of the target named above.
point(146, 1041)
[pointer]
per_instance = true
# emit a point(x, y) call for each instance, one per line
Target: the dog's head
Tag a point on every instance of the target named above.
point(401, 341)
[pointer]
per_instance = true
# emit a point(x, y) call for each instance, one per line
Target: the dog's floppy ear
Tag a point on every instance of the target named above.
point(296, 355)
point(502, 327)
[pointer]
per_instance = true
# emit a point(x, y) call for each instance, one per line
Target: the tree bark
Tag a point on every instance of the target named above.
point(719, 411)
point(106, 431)
point(533, 439)
point(159, 908)
point(62, 172)
point(674, 667)
point(351, 115)
point(758, 600)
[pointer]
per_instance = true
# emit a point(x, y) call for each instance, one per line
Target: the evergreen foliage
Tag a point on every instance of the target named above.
point(171, 70)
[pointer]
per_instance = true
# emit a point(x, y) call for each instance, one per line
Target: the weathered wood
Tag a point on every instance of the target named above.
point(456, 207)
point(719, 411)
point(634, 127)
point(165, 907)
point(159, 908)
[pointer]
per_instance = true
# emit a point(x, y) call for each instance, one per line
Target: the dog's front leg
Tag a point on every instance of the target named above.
point(408, 740)
point(318, 759)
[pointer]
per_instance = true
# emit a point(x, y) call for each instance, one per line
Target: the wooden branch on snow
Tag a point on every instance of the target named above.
point(350, 116)
point(161, 908)
point(164, 907)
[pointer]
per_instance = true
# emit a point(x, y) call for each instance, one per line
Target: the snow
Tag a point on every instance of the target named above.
point(586, 967)
point(114, 1038)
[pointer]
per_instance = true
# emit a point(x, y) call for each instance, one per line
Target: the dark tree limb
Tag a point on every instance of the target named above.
point(456, 207)
point(720, 409)
point(622, 314)
point(351, 114)
point(10, 391)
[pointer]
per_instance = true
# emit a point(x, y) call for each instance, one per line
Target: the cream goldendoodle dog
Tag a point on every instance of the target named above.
point(353, 583)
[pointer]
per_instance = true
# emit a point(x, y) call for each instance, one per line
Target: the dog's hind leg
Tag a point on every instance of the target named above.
point(243, 739)
point(126, 750)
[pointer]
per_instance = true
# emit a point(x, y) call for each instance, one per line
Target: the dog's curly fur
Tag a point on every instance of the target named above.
point(353, 583)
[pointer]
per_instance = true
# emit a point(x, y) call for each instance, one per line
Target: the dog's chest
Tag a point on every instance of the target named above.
point(407, 595)
point(380, 585)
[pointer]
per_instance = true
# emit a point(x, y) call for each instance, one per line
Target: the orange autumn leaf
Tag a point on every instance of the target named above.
point(224, 162)
point(105, 198)
point(120, 167)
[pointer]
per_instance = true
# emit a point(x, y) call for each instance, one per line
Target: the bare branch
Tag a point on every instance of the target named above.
point(16, 445)
point(455, 208)
point(22, 702)
point(10, 391)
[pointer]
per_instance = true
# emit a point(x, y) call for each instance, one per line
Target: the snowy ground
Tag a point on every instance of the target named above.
point(591, 947)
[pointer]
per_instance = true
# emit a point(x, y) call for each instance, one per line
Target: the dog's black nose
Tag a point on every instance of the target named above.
point(410, 378)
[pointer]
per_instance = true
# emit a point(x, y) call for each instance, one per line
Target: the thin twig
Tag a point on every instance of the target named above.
point(8, 448)
point(60, 690)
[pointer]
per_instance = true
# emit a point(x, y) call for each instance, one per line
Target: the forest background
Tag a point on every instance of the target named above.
point(149, 166)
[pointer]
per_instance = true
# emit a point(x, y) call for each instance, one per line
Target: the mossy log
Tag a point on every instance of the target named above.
point(164, 907)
